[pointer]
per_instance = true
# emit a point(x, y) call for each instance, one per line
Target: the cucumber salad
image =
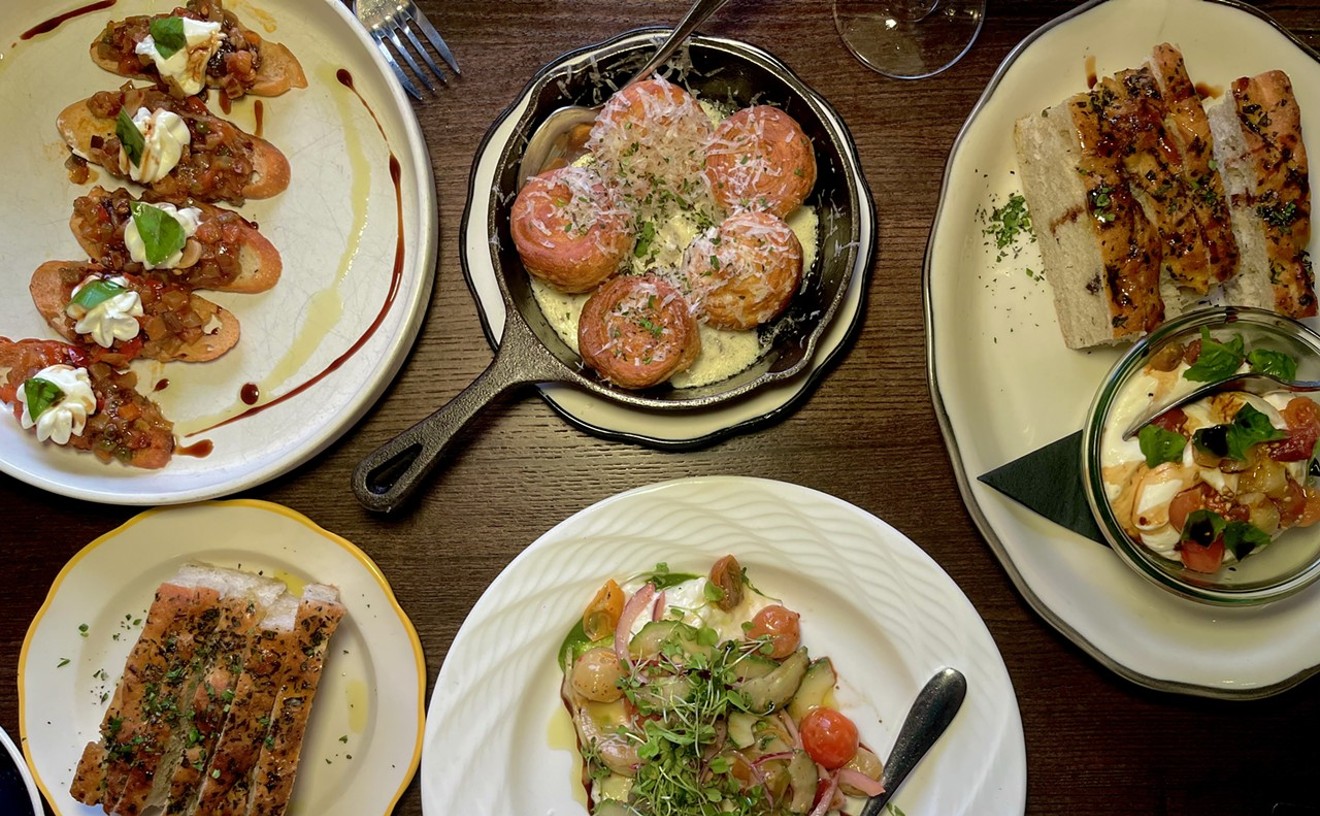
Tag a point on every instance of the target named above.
point(694, 695)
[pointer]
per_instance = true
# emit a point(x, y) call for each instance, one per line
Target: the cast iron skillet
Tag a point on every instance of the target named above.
point(723, 71)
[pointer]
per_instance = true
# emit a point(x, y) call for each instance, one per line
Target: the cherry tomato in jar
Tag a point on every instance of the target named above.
point(1200, 558)
point(829, 737)
point(1171, 421)
point(1302, 416)
point(779, 625)
point(1203, 497)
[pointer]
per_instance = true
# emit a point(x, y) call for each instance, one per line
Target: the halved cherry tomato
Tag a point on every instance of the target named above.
point(1172, 421)
point(1302, 416)
point(1202, 559)
point(1204, 497)
point(780, 626)
point(829, 737)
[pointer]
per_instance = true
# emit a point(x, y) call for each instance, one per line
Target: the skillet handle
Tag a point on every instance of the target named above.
point(388, 476)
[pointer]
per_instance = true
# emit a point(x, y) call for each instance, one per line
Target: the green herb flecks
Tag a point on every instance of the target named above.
point(130, 137)
point(162, 234)
point(168, 34)
point(1008, 225)
point(41, 396)
point(645, 238)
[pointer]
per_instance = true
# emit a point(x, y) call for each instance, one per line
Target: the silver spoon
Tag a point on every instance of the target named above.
point(1253, 382)
point(931, 713)
point(553, 138)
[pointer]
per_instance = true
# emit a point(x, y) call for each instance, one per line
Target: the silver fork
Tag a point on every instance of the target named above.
point(386, 20)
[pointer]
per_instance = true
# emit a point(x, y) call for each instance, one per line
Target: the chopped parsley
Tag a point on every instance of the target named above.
point(1008, 224)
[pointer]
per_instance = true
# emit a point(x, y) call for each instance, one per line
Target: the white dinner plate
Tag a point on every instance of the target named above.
point(18, 793)
point(1005, 385)
point(616, 420)
point(336, 227)
point(870, 599)
point(365, 736)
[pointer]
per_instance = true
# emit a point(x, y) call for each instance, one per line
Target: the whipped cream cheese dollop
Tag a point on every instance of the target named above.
point(185, 69)
point(68, 415)
point(165, 134)
point(189, 218)
point(114, 318)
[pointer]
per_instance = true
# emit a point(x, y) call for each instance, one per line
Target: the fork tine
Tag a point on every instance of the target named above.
point(407, 56)
point(410, 10)
point(398, 72)
point(426, 56)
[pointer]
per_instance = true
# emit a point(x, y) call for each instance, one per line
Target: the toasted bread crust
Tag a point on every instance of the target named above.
point(51, 289)
point(254, 168)
point(277, 70)
point(234, 255)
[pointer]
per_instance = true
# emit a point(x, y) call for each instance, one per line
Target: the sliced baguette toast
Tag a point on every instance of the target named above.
point(221, 163)
point(1100, 250)
point(246, 63)
point(177, 324)
point(1189, 128)
point(227, 254)
point(1259, 148)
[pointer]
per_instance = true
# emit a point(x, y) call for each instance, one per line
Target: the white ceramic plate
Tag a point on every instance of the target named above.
point(886, 614)
point(336, 228)
point(364, 740)
point(17, 790)
point(1004, 384)
point(615, 420)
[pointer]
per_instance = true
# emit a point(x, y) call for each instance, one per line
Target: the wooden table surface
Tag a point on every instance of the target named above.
point(1096, 744)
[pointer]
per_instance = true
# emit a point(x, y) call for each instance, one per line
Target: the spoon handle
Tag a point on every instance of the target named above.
point(931, 713)
point(696, 16)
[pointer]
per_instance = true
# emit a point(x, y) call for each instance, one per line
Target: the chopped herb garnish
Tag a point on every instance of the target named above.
point(82, 627)
point(64, 661)
point(1009, 223)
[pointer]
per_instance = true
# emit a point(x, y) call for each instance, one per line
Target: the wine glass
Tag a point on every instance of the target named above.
point(908, 39)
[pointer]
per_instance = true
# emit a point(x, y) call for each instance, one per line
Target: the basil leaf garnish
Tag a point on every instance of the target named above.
point(1159, 445)
point(162, 234)
point(130, 137)
point(1242, 538)
point(1217, 360)
point(168, 34)
point(97, 292)
point(1276, 363)
point(41, 396)
point(1233, 440)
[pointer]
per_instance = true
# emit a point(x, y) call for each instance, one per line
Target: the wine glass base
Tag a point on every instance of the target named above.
point(908, 45)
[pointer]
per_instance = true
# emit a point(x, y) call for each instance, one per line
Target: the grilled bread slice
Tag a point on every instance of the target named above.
point(1259, 148)
point(1100, 250)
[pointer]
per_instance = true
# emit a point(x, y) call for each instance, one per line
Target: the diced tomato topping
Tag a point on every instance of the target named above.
point(1202, 559)
point(1172, 421)
point(1204, 497)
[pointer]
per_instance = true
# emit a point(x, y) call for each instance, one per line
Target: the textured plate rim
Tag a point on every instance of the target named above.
point(369, 567)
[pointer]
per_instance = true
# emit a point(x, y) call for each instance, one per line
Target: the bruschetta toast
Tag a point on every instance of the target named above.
point(117, 423)
point(220, 53)
point(195, 725)
point(174, 147)
point(172, 322)
point(225, 251)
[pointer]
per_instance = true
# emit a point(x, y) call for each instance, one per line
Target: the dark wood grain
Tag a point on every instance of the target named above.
point(1096, 744)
